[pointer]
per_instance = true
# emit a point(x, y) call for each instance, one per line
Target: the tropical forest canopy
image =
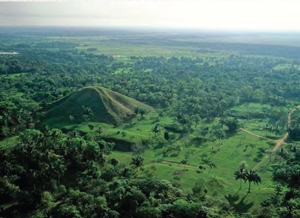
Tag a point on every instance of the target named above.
point(126, 123)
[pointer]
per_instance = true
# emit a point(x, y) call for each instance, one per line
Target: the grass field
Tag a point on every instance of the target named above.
point(255, 116)
point(116, 47)
point(219, 181)
point(198, 45)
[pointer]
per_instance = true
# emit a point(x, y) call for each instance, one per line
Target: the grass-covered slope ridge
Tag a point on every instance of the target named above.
point(107, 106)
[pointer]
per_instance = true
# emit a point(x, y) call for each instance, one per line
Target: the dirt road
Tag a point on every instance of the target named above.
point(279, 142)
point(251, 133)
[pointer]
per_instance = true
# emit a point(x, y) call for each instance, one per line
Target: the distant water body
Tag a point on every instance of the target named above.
point(8, 53)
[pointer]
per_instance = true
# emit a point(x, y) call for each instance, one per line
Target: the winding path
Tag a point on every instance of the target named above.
point(188, 166)
point(279, 142)
point(251, 133)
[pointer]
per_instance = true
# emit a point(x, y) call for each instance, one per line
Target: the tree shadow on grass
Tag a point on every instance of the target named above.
point(155, 121)
point(241, 206)
point(213, 153)
point(230, 134)
point(174, 155)
point(200, 145)
point(129, 125)
point(153, 118)
point(141, 118)
point(159, 145)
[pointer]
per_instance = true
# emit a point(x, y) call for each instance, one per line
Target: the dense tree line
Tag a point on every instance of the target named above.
point(182, 85)
point(51, 174)
point(286, 200)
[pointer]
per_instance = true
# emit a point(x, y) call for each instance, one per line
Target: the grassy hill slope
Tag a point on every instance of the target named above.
point(107, 106)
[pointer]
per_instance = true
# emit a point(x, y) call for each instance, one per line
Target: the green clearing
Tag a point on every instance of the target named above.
point(105, 45)
point(227, 161)
point(145, 50)
point(251, 108)
point(219, 181)
point(139, 129)
point(255, 117)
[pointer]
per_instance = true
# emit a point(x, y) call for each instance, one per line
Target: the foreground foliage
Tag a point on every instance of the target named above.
point(52, 174)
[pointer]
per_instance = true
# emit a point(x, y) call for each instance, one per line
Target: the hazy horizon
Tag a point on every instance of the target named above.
point(202, 15)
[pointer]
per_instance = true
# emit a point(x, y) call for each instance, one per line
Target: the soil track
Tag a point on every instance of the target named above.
point(189, 166)
point(279, 142)
point(251, 133)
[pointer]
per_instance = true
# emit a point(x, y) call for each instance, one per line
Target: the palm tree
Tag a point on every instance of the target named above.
point(99, 130)
point(137, 161)
point(209, 163)
point(212, 165)
point(156, 130)
point(252, 146)
point(218, 133)
point(252, 176)
point(241, 175)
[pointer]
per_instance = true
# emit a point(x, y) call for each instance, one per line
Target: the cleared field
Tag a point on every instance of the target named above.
point(219, 181)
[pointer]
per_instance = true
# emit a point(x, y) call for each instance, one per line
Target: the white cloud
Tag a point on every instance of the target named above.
point(279, 15)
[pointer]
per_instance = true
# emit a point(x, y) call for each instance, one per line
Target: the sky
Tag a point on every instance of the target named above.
point(236, 15)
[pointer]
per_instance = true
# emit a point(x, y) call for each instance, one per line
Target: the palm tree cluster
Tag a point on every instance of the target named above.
point(250, 176)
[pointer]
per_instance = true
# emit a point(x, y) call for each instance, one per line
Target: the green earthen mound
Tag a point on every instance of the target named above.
point(107, 106)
